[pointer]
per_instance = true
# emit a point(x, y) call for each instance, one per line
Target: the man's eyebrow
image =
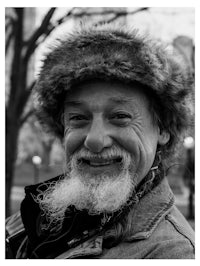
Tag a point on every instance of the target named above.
point(74, 103)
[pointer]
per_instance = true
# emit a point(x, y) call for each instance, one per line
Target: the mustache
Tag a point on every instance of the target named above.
point(113, 153)
point(108, 153)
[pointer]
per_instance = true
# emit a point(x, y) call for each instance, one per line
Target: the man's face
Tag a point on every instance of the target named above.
point(110, 143)
point(102, 115)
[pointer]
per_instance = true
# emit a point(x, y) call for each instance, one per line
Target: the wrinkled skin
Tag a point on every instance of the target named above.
point(100, 114)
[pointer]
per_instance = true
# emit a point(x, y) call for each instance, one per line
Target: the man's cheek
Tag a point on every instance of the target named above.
point(73, 142)
point(128, 139)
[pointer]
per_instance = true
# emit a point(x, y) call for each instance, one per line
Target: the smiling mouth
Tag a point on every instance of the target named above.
point(96, 162)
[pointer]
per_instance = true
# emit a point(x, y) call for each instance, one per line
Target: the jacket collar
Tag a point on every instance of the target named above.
point(148, 212)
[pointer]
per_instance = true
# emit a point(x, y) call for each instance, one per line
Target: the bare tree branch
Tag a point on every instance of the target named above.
point(118, 12)
point(26, 116)
point(8, 40)
point(9, 24)
point(8, 17)
point(122, 13)
point(24, 99)
point(30, 88)
point(31, 45)
point(51, 26)
point(9, 30)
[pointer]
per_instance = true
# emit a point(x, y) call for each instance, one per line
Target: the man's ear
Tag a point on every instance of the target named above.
point(163, 137)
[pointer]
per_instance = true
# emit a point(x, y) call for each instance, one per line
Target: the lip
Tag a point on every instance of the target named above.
point(100, 162)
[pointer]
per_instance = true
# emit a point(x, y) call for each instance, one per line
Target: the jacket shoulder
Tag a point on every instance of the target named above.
point(180, 224)
point(173, 239)
point(15, 234)
point(14, 224)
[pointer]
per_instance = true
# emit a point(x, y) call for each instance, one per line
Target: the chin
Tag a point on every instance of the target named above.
point(105, 193)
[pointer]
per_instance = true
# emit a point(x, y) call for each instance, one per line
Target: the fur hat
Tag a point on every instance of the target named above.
point(107, 52)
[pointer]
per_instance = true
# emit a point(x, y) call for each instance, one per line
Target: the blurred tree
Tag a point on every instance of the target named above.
point(186, 49)
point(19, 91)
point(189, 178)
point(23, 46)
point(42, 139)
point(34, 141)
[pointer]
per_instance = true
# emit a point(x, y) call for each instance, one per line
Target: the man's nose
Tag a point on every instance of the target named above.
point(98, 136)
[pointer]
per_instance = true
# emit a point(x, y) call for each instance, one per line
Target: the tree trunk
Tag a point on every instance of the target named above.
point(14, 106)
point(12, 132)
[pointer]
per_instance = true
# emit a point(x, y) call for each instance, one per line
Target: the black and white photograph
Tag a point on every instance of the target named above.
point(100, 132)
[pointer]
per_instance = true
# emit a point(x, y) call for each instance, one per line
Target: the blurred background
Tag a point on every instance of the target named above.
point(33, 155)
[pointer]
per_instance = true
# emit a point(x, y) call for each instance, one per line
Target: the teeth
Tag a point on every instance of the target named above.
point(96, 162)
point(101, 164)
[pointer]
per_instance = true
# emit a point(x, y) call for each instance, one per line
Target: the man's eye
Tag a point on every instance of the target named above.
point(77, 118)
point(120, 118)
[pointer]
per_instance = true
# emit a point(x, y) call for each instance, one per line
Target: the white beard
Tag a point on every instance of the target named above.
point(103, 194)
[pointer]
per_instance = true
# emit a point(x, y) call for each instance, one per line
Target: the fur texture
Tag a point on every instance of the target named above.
point(106, 52)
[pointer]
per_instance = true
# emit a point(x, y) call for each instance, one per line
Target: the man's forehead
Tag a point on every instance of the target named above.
point(112, 100)
point(113, 93)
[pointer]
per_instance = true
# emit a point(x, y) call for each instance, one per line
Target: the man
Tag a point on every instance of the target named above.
point(118, 101)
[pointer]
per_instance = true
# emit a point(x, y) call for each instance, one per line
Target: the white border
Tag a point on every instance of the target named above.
point(49, 3)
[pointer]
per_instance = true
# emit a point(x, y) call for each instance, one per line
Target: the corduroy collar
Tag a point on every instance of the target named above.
point(148, 212)
point(151, 209)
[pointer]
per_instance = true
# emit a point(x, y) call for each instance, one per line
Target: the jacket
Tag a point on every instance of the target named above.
point(158, 231)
